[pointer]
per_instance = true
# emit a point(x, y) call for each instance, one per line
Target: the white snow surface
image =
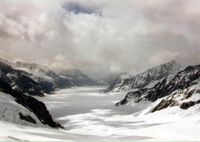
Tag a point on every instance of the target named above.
point(89, 115)
point(10, 109)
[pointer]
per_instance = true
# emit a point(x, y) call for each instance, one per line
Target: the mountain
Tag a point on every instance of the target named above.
point(106, 79)
point(19, 80)
point(77, 77)
point(182, 90)
point(145, 79)
point(35, 79)
point(58, 78)
point(46, 78)
point(21, 109)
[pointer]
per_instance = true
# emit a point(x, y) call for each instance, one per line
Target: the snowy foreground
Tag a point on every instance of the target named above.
point(88, 114)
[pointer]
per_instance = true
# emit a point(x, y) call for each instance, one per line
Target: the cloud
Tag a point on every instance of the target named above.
point(99, 36)
point(77, 8)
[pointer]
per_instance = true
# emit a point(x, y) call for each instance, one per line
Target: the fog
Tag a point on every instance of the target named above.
point(100, 36)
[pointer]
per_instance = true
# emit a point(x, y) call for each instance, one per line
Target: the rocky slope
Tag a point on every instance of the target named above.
point(46, 78)
point(60, 78)
point(19, 80)
point(22, 109)
point(145, 79)
point(182, 90)
point(106, 79)
point(77, 77)
point(34, 79)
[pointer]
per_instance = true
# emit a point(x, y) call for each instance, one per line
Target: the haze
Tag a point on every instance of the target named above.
point(100, 36)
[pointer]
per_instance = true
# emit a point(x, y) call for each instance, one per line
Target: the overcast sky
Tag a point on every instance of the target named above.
point(99, 36)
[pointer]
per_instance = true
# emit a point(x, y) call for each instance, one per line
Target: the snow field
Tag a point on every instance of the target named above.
point(90, 115)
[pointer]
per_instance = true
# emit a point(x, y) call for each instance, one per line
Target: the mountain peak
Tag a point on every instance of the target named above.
point(181, 90)
point(147, 78)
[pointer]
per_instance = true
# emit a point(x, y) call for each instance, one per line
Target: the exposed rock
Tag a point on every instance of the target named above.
point(5, 87)
point(187, 105)
point(77, 77)
point(32, 104)
point(18, 81)
point(27, 118)
point(37, 107)
point(189, 93)
point(164, 104)
point(116, 83)
point(34, 79)
point(181, 83)
point(47, 79)
point(135, 96)
point(183, 80)
point(144, 79)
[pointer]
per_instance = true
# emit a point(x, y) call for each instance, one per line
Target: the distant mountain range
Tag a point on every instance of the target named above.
point(76, 77)
point(35, 79)
point(20, 81)
point(166, 85)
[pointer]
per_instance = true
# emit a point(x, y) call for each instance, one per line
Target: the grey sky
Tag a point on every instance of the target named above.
point(99, 36)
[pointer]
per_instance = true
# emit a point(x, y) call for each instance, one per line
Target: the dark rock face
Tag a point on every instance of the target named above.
point(57, 79)
point(32, 104)
point(53, 82)
point(27, 118)
point(18, 81)
point(187, 105)
point(37, 107)
point(181, 83)
point(135, 96)
point(164, 104)
point(5, 87)
point(145, 78)
point(25, 84)
point(35, 79)
point(182, 80)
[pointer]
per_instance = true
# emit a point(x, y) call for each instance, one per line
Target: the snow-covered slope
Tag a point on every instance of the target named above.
point(146, 79)
point(35, 79)
point(23, 109)
point(107, 78)
point(101, 121)
point(182, 90)
point(60, 78)
point(19, 80)
point(13, 112)
point(77, 77)
point(47, 78)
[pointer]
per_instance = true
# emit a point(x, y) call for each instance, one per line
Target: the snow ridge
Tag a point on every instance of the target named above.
point(19, 108)
point(146, 79)
point(182, 90)
point(34, 79)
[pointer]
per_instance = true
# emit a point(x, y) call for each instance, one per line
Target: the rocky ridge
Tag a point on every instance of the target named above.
point(182, 90)
point(126, 82)
point(35, 80)
point(29, 109)
point(19, 82)
point(77, 77)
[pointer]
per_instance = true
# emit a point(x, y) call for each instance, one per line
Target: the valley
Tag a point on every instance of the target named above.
point(99, 70)
point(88, 114)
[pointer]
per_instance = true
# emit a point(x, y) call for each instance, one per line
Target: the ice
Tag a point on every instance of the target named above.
point(89, 115)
